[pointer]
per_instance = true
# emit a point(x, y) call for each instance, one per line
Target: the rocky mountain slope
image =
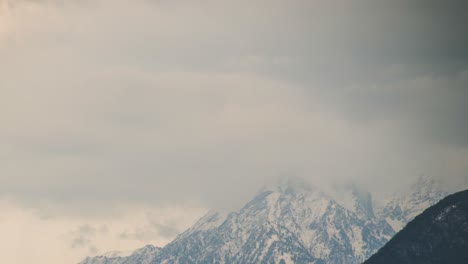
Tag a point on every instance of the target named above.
point(290, 223)
point(144, 255)
point(404, 206)
point(437, 236)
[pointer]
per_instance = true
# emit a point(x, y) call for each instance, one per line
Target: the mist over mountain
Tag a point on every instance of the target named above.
point(122, 122)
point(402, 207)
point(437, 236)
point(293, 222)
point(144, 255)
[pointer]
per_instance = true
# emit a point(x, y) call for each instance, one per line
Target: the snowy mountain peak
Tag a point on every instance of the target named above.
point(116, 253)
point(211, 220)
point(426, 188)
point(289, 184)
point(291, 222)
point(287, 223)
point(355, 199)
point(144, 255)
point(148, 249)
point(403, 207)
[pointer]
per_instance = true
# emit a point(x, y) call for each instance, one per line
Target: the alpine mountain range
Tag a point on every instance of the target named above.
point(292, 222)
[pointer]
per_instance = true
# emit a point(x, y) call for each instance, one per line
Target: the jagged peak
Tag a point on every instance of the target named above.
point(361, 200)
point(288, 209)
point(288, 184)
point(147, 248)
point(211, 220)
point(423, 185)
point(116, 253)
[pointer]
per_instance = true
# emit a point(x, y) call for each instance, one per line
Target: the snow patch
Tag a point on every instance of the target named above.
point(395, 224)
point(445, 212)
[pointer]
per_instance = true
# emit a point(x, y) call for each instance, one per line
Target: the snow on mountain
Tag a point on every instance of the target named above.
point(117, 253)
point(291, 223)
point(401, 208)
point(354, 199)
point(144, 255)
point(437, 236)
point(286, 224)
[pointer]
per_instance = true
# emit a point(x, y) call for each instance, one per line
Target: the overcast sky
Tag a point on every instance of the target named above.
point(121, 122)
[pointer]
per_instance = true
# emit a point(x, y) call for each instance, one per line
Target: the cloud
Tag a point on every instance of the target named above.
point(155, 102)
point(83, 237)
point(154, 230)
point(29, 238)
point(430, 106)
point(156, 226)
point(122, 121)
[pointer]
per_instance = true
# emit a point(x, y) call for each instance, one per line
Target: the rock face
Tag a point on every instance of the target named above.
point(288, 223)
point(438, 236)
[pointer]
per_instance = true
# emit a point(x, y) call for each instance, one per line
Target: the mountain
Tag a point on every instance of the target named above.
point(291, 222)
point(402, 207)
point(144, 255)
point(438, 236)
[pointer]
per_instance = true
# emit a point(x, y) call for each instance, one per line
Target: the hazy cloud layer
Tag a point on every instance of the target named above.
point(27, 238)
point(153, 102)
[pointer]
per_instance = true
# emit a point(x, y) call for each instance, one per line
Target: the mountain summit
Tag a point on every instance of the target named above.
point(402, 207)
point(289, 222)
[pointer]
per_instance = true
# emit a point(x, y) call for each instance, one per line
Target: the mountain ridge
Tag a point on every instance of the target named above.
point(436, 236)
point(287, 223)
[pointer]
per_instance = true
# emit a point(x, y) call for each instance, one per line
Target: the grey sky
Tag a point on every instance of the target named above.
point(155, 102)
